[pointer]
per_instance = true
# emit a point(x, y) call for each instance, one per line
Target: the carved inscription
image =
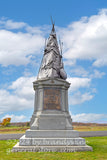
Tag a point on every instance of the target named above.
point(52, 99)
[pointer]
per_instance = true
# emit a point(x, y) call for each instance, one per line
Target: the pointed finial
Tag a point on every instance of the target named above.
point(53, 24)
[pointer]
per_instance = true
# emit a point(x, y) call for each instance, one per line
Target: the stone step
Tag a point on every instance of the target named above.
point(51, 141)
point(51, 134)
point(18, 148)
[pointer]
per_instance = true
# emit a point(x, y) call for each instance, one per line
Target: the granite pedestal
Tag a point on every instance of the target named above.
point(51, 124)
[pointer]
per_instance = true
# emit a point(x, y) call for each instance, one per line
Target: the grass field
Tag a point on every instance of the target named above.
point(13, 129)
point(99, 145)
point(22, 129)
point(90, 128)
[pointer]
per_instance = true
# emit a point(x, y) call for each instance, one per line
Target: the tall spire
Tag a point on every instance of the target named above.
point(52, 65)
point(53, 26)
point(53, 29)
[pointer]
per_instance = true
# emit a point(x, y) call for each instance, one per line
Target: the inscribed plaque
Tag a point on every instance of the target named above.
point(52, 98)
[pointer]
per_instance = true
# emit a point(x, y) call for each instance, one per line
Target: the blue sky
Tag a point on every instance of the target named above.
point(82, 26)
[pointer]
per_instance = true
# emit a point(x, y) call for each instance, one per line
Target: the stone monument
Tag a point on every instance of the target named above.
point(51, 124)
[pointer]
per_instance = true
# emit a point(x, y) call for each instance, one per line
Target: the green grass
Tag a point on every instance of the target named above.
point(99, 145)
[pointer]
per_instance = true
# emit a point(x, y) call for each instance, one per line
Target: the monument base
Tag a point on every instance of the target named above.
point(51, 124)
point(18, 148)
point(51, 145)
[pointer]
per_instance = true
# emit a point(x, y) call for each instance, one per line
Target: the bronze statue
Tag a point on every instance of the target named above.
point(52, 65)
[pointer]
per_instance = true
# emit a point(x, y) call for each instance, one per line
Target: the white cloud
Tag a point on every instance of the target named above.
point(9, 24)
point(77, 83)
point(87, 39)
point(78, 98)
point(12, 102)
point(97, 74)
point(34, 30)
point(21, 96)
point(101, 62)
point(70, 62)
point(89, 117)
point(84, 39)
point(79, 71)
point(23, 87)
point(18, 48)
point(75, 96)
point(15, 118)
